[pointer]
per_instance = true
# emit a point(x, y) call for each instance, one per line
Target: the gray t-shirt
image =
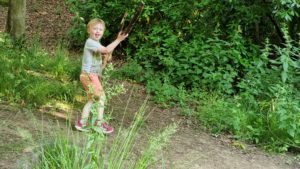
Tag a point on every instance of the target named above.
point(91, 61)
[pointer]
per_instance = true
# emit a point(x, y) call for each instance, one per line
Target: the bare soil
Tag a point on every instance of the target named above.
point(46, 20)
point(190, 148)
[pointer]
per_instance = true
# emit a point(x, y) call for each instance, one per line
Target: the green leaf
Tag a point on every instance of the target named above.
point(284, 76)
point(291, 132)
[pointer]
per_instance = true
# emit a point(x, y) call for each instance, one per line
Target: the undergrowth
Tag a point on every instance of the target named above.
point(93, 150)
point(31, 76)
point(262, 107)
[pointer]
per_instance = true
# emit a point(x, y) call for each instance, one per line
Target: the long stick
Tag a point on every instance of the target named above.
point(135, 18)
point(123, 21)
point(138, 12)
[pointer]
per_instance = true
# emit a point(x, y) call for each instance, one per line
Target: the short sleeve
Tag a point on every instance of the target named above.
point(92, 45)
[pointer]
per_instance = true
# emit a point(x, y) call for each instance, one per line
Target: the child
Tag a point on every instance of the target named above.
point(91, 70)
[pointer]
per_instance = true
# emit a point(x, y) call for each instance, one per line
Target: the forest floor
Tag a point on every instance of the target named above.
point(190, 147)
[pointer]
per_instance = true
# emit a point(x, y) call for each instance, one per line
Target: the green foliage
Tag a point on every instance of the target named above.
point(59, 153)
point(85, 10)
point(206, 45)
point(206, 63)
point(219, 115)
point(273, 124)
point(283, 116)
point(31, 76)
point(288, 62)
point(99, 152)
point(156, 143)
point(110, 88)
point(131, 70)
point(266, 111)
point(181, 49)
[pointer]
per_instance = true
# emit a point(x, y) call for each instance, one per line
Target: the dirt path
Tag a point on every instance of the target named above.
point(197, 150)
point(192, 148)
point(189, 148)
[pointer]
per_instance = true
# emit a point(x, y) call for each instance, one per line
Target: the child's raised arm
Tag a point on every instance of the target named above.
point(114, 44)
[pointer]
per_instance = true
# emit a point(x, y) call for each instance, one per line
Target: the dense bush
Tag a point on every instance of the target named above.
point(205, 44)
point(246, 52)
point(266, 110)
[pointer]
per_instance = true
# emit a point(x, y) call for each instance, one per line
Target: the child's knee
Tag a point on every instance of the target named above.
point(102, 98)
point(96, 97)
point(99, 97)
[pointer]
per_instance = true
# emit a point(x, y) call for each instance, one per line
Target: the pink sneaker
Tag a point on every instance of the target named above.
point(104, 127)
point(81, 127)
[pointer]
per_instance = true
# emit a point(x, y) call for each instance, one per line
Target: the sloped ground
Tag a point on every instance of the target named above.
point(190, 147)
point(47, 20)
point(193, 148)
point(3, 15)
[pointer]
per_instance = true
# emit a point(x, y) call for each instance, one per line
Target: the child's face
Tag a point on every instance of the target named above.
point(96, 31)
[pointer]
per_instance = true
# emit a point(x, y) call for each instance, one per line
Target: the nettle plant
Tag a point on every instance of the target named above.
point(191, 45)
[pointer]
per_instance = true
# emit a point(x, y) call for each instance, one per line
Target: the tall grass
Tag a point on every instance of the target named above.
point(93, 150)
point(30, 75)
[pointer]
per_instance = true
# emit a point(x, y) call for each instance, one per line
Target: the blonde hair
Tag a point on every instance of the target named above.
point(94, 22)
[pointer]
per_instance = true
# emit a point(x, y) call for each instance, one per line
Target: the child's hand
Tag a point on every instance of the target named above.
point(105, 56)
point(104, 51)
point(122, 36)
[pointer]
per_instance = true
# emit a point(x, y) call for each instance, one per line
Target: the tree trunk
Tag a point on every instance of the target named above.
point(15, 25)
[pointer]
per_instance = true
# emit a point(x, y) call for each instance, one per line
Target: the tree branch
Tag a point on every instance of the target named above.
point(277, 28)
point(276, 25)
point(135, 18)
